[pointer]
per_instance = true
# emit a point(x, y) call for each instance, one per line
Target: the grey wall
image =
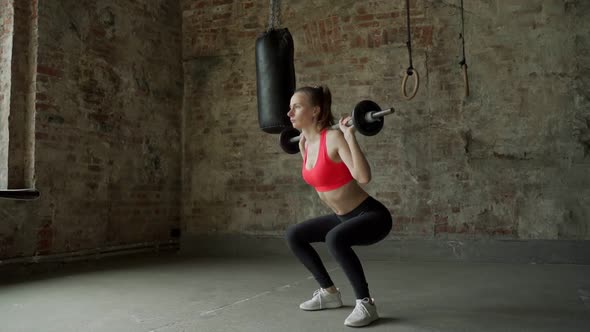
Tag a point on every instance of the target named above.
point(6, 40)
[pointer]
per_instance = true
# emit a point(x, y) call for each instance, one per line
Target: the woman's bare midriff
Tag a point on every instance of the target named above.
point(345, 198)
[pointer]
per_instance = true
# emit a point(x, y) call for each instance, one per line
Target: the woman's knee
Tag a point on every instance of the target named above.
point(335, 240)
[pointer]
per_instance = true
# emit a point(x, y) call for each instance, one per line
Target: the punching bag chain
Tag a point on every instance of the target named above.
point(274, 19)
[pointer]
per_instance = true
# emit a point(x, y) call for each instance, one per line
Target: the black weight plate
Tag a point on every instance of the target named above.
point(286, 135)
point(361, 124)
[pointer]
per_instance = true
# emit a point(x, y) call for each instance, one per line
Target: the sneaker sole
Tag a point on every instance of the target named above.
point(327, 306)
point(361, 325)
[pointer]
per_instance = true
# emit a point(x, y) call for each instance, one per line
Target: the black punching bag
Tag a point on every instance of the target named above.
point(275, 79)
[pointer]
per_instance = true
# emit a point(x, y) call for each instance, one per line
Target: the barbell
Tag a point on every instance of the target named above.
point(367, 118)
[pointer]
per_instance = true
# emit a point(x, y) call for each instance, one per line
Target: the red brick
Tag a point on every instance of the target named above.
point(49, 71)
point(314, 63)
point(372, 24)
point(366, 17)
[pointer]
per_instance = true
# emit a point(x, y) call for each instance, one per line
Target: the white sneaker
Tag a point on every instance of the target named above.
point(322, 299)
point(363, 314)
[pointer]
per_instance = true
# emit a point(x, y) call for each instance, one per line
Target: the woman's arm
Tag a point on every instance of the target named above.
point(351, 154)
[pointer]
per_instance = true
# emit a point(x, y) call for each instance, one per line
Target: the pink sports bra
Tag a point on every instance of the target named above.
point(326, 175)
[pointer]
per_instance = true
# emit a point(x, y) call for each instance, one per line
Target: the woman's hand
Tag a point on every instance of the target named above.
point(346, 130)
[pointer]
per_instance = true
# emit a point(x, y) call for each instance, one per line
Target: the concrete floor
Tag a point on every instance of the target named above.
point(170, 292)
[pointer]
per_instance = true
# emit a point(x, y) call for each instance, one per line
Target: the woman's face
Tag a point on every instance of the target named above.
point(301, 112)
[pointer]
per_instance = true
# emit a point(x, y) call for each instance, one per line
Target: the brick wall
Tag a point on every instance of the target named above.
point(109, 85)
point(510, 161)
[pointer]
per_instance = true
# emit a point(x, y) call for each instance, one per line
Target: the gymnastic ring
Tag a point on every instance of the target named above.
point(409, 72)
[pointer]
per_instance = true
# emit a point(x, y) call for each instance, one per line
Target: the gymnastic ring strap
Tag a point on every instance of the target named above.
point(465, 79)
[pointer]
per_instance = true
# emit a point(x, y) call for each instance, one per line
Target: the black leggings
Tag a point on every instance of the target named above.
point(368, 223)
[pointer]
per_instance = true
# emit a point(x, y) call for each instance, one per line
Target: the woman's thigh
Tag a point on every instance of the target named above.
point(367, 228)
point(313, 230)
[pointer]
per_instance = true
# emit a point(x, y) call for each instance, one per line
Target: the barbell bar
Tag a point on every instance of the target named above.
point(367, 118)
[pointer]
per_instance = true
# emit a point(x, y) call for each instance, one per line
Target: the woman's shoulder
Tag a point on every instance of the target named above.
point(333, 133)
point(334, 136)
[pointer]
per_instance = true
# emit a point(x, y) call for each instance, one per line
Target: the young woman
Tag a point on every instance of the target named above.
point(334, 165)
